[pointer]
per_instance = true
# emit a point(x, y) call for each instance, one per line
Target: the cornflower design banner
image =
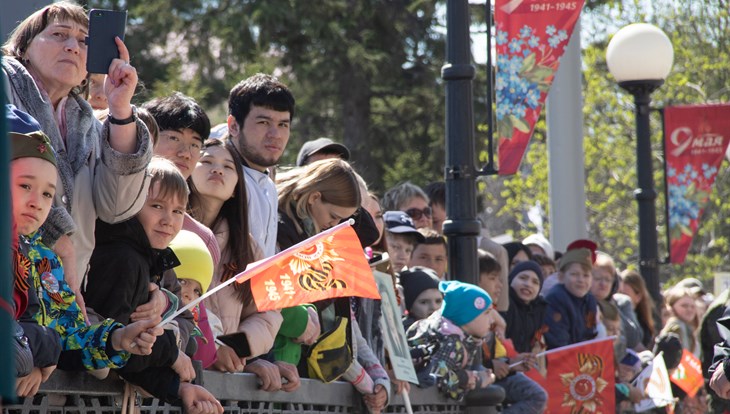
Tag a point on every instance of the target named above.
point(531, 37)
point(695, 143)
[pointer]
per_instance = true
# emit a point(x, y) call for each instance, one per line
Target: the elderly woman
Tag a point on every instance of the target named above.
point(101, 166)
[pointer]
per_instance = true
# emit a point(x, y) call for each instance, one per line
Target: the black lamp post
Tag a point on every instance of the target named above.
point(461, 226)
point(640, 57)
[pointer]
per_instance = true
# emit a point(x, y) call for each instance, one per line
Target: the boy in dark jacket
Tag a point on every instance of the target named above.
point(571, 315)
point(127, 259)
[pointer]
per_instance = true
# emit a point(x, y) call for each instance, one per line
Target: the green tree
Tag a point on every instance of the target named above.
point(371, 68)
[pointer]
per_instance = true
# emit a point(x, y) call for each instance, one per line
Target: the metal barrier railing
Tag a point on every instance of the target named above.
point(80, 393)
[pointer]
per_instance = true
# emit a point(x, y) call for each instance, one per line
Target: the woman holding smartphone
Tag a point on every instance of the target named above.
point(101, 166)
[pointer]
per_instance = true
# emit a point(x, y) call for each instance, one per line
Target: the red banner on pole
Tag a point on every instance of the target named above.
point(531, 38)
point(580, 378)
point(696, 139)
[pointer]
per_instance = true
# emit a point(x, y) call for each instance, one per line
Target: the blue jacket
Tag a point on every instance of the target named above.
point(569, 319)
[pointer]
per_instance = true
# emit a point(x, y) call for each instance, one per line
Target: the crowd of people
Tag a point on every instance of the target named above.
point(124, 214)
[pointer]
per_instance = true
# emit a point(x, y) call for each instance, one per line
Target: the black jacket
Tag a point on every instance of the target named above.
point(525, 322)
point(121, 267)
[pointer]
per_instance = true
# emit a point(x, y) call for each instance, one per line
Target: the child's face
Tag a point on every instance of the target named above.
point(215, 174)
point(97, 97)
point(429, 301)
point(182, 147)
point(161, 217)
point(577, 279)
point(432, 256)
point(33, 187)
point(479, 326)
point(190, 290)
point(602, 282)
point(526, 285)
point(492, 283)
point(685, 309)
point(399, 250)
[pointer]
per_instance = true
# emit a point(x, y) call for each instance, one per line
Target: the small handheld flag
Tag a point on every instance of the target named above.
point(327, 265)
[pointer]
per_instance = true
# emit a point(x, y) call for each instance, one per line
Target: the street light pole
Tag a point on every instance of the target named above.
point(461, 227)
point(640, 57)
point(645, 195)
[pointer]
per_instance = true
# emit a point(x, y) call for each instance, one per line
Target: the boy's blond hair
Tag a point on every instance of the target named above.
point(172, 182)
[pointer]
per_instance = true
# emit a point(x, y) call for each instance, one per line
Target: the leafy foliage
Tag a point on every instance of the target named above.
point(699, 32)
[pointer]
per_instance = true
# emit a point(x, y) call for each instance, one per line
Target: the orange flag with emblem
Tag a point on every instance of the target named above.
point(688, 375)
point(328, 265)
point(580, 378)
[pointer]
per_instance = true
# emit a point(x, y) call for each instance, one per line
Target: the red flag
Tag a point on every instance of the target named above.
point(330, 264)
point(688, 375)
point(695, 143)
point(531, 37)
point(580, 378)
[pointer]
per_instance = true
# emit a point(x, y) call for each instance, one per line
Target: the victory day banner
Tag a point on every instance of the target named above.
point(531, 36)
point(330, 264)
point(696, 139)
point(580, 378)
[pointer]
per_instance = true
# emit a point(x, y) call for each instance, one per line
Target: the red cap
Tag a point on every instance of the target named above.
point(585, 244)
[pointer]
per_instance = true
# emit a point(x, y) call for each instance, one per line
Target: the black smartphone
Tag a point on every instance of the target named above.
point(104, 26)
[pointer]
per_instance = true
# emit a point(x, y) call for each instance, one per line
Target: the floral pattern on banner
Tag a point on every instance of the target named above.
point(695, 144)
point(688, 191)
point(531, 36)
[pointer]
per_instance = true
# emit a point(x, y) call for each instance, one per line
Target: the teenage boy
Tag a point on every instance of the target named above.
point(401, 237)
point(572, 309)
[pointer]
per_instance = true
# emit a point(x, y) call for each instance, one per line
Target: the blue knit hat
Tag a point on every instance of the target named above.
point(463, 302)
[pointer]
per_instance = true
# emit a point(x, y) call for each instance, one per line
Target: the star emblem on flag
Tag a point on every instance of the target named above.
point(584, 386)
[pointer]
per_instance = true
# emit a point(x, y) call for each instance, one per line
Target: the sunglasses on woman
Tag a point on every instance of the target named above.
point(417, 214)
